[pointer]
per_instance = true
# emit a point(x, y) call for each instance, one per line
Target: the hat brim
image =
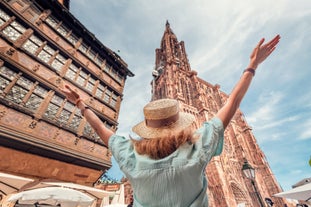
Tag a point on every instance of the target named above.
point(185, 120)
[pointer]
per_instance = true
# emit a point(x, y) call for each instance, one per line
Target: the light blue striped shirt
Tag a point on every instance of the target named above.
point(176, 180)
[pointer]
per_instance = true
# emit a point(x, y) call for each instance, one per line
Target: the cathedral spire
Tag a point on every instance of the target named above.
point(171, 51)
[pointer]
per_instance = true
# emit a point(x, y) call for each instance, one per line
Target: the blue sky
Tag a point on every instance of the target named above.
point(219, 37)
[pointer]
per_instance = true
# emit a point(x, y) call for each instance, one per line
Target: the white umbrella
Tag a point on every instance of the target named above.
point(12, 183)
point(53, 195)
point(95, 192)
point(98, 193)
point(301, 193)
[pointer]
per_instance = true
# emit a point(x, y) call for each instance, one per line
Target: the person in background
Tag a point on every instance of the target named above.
point(166, 165)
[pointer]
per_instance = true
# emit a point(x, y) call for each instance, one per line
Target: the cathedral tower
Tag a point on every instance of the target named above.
point(173, 78)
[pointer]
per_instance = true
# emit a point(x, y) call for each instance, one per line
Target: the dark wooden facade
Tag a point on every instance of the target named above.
point(174, 78)
point(42, 135)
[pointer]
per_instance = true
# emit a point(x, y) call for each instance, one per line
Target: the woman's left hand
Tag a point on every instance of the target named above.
point(71, 95)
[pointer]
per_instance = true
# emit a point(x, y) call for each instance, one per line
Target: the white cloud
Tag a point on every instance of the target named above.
point(306, 130)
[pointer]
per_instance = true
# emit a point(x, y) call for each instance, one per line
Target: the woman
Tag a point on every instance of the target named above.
point(166, 166)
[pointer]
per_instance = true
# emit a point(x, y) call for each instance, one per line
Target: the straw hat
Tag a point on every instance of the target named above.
point(162, 117)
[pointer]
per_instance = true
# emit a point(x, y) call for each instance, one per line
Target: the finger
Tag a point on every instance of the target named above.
point(260, 42)
point(69, 88)
point(275, 40)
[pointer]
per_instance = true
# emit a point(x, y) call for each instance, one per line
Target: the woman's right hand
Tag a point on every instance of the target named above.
point(262, 51)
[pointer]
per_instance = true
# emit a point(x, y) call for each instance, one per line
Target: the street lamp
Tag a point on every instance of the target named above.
point(249, 172)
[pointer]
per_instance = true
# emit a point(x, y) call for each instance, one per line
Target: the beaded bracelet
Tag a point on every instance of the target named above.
point(250, 70)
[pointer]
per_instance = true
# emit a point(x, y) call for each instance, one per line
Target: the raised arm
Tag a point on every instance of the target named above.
point(259, 54)
point(103, 132)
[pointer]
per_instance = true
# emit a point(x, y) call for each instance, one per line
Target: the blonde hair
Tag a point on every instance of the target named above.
point(158, 148)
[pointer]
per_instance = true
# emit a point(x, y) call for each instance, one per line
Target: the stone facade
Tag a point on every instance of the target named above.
point(173, 78)
point(42, 135)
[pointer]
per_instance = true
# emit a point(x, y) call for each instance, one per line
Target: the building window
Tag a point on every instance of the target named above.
point(91, 55)
point(63, 30)
point(90, 84)
point(46, 54)
point(114, 99)
point(53, 108)
point(64, 115)
point(36, 98)
point(72, 39)
point(83, 48)
point(82, 78)
point(3, 17)
point(13, 31)
point(16, 94)
point(72, 72)
point(75, 122)
point(51, 21)
point(107, 96)
point(32, 44)
point(58, 62)
point(99, 91)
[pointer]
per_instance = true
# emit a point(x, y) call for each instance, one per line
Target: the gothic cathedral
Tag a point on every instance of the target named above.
point(227, 186)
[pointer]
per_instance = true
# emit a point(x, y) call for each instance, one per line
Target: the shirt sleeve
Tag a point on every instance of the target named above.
point(121, 149)
point(211, 139)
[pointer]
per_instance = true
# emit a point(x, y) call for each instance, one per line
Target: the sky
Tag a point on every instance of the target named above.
point(219, 37)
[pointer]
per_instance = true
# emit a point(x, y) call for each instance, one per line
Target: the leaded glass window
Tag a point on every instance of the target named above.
point(36, 40)
point(6, 75)
point(83, 48)
point(6, 72)
point(24, 82)
point(72, 71)
point(75, 122)
point(99, 61)
point(82, 78)
point(63, 117)
point(46, 53)
point(58, 62)
point(40, 91)
point(4, 16)
point(11, 33)
point(32, 44)
point(87, 129)
point(90, 84)
point(16, 94)
point(18, 27)
point(73, 39)
point(3, 84)
point(107, 96)
point(33, 102)
point(36, 98)
point(53, 107)
point(57, 65)
point(99, 91)
point(119, 78)
point(51, 111)
point(30, 47)
point(113, 101)
point(51, 21)
point(106, 68)
point(63, 30)
point(91, 55)
point(1, 22)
